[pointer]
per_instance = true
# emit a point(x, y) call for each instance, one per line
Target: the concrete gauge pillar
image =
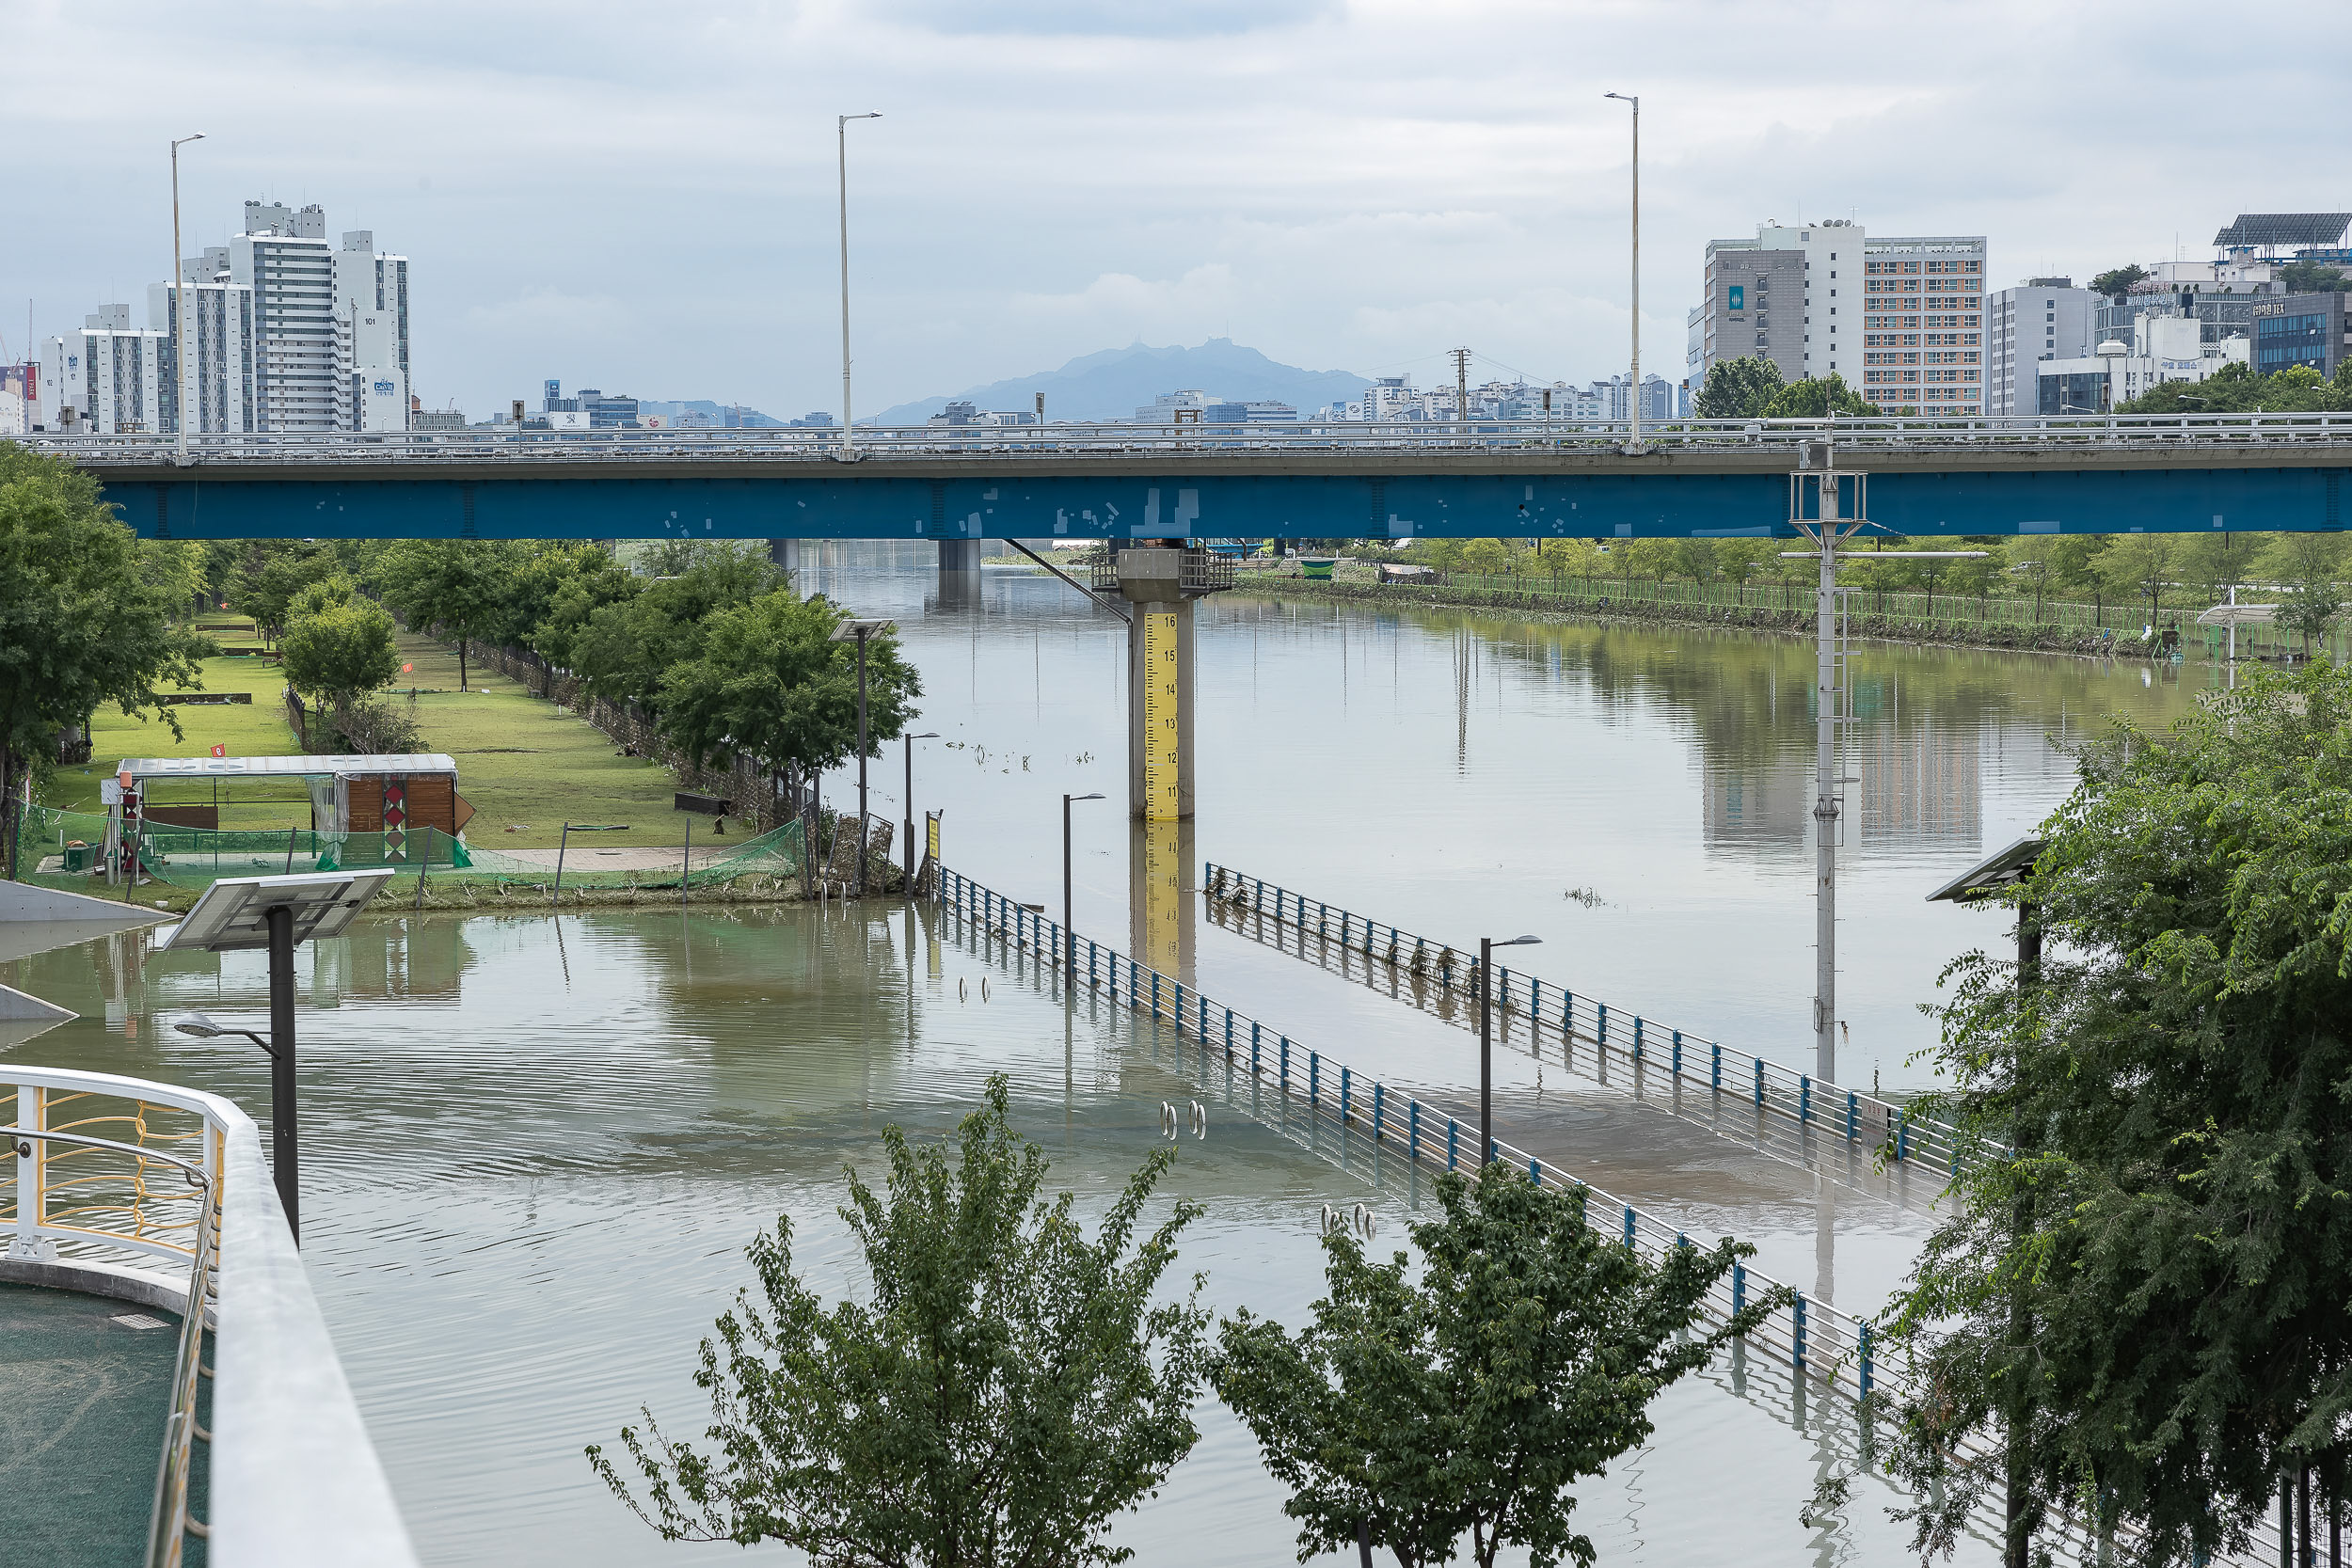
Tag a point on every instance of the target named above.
point(1160, 583)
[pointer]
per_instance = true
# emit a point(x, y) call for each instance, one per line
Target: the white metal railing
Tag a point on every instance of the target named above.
point(504, 443)
point(154, 1193)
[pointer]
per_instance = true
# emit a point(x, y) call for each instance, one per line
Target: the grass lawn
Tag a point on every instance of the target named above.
point(526, 763)
point(522, 762)
point(259, 730)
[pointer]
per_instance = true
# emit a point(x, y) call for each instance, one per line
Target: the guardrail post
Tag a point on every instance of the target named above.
point(1738, 1288)
point(1314, 1078)
point(1286, 1064)
point(1759, 1081)
point(1347, 1084)
point(1718, 1082)
point(1379, 1107)
point(1628, 1227)
point(1156, 1000)
point(1601, 1033)
point(1412, 1125)
point(1864, 1369)
point(1505, 975)
point(1567, 1012)
point(1228, 1034)
point(1253, 1045)
point(1852, 1107)
point(1200, 1030)
point(1452, 1144)
point(1804, 1097)
point(1677, 1069)
point(1535, 1170)
point(1091, 982)
point(1637, 1036)
point(1902, 1134)
point(1796, 1343)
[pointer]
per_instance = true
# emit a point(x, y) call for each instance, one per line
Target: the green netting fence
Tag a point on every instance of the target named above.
point(70, 850)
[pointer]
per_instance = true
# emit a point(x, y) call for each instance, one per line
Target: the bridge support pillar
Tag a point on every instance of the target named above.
point(1159, 684)
point(959, 557)
point(785, 553)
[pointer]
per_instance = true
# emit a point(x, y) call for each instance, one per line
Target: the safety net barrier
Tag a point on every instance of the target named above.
point(83, 852)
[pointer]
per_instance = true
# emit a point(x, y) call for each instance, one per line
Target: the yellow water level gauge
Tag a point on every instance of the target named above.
point(1162, 732)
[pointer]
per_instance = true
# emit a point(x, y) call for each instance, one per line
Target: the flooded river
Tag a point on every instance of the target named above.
point(535, 1150)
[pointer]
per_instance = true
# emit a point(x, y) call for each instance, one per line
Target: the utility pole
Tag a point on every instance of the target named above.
point(841, 129)
point(1461, 395)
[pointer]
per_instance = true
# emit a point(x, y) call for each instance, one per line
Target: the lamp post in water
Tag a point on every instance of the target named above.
point(1069, 927)
point(926, 734)
point(860, 632)
point(1487, 946)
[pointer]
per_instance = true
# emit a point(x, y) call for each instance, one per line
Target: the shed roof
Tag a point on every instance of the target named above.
point(257, 768)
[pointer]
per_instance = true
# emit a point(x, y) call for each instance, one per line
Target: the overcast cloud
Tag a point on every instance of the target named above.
point(641, 196)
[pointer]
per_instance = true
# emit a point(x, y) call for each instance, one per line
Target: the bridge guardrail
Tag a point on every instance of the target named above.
point(504, 443)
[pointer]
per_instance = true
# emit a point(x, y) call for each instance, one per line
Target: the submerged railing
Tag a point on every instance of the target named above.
point(1813, 1337)
point(1785, 1093)
point(155, 1194)
point(1817, 1345)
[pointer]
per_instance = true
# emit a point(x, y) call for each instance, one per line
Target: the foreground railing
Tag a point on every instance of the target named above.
point(154, 1194)
point(1784, 1093)
point(505, 442)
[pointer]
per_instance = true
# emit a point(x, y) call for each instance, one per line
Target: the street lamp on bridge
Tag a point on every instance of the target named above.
point(841, 129)
point(179, 376)
point(1635, 389)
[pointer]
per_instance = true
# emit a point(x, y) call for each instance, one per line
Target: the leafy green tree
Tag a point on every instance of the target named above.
point(1472, 1400)
point(1816, 399)
point(1007, 1388)
point(271, 574)
point(177, 570)
point(2118, 281)
point(2148, 1295)
point(628, 646)
point(2138, 565)
point(2310, 567)
point(81, 622)
point(2212, 562)
point(770, 682)
point(460, 586)
point(1485, 556)
point(1737, 389)
point(342, 653)
point(2313, 277)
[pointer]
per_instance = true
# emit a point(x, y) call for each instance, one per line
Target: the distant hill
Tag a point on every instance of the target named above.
point(753, 418)
point(1112, 385)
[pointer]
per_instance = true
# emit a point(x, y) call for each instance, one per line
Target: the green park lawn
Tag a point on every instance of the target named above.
point(523, 763)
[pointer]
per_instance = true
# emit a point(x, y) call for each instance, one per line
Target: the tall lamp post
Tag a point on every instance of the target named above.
point(1634, 99)
point(926, 734)
point(1487, 946)
point(1069, 926)
point(841, 129)
point(1981, 884)
point(274, 912)
point(860, 632)
point(180, 308)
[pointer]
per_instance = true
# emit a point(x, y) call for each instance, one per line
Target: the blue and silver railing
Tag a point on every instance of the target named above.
point(1776, 1091)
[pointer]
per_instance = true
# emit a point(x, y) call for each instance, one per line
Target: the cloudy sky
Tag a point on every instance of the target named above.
point(641, 196)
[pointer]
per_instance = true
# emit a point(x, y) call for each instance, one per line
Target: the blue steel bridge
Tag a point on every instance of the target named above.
point(1725, 478)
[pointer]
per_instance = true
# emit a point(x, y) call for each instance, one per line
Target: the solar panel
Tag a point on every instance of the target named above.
point(2293, 229)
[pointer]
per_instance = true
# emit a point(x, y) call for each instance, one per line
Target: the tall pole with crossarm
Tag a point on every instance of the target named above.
point(841, 131)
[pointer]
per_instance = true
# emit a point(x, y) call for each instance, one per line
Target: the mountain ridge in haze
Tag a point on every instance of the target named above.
point(1111, 384)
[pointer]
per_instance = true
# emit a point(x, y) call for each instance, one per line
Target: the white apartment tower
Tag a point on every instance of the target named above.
point(218, 344)
point(331, 323)
point(2040, 319)
point(1900, 318)
point(109, 377)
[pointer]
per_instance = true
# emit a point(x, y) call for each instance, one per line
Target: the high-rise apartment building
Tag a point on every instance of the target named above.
point(331, 322)
point(104, 380)
point(1900, 318)
point(218, 344)
point(2042, 318)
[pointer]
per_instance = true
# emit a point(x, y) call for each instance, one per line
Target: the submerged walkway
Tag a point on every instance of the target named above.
point(83, 1398)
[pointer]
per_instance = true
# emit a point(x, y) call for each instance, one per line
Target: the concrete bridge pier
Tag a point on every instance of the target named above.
point(959, 558)
point(787, 554)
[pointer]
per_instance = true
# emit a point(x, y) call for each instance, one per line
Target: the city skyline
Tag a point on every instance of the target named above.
point(1447, 178)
